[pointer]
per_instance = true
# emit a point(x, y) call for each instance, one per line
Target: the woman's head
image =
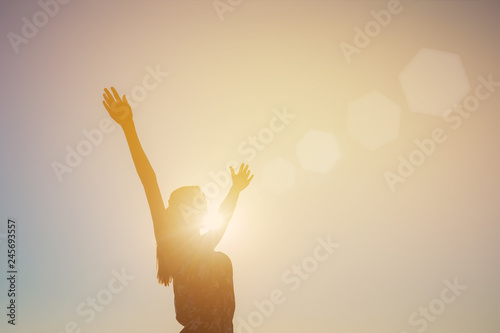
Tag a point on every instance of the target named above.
point(188, 206)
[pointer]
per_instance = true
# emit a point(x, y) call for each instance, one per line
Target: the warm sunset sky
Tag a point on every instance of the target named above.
point(351, 126)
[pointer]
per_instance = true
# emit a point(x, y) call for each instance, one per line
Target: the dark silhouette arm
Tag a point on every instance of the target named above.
point(148, 179)
point(120, 111)
point(227, 207)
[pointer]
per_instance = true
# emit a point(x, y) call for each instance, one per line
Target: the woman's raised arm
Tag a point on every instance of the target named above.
point(119, 109)
point(227, 207)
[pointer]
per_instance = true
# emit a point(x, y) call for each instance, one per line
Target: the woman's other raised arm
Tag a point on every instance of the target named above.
point(121, 112)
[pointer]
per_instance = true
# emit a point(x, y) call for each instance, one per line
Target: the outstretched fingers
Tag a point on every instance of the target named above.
point(248, 174)
point(106, 106)
point(242, 178)
point(115, 93)
point(243, 170)
point(109, 98)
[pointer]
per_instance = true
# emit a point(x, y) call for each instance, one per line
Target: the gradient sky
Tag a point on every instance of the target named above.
point(226, 76)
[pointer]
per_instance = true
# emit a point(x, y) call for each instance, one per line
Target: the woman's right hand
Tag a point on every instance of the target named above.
point(118, 108)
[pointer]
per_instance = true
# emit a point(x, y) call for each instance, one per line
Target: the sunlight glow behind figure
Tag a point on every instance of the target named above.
point(212, 220)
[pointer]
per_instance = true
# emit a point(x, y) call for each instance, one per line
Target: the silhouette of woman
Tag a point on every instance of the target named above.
point(202, 278)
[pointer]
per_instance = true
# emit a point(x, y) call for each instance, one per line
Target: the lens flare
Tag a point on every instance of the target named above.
point(212, 221)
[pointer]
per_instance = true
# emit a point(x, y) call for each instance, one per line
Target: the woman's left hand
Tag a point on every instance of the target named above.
point(242, 178)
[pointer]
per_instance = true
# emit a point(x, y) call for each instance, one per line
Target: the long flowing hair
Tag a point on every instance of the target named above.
point(171, 252)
